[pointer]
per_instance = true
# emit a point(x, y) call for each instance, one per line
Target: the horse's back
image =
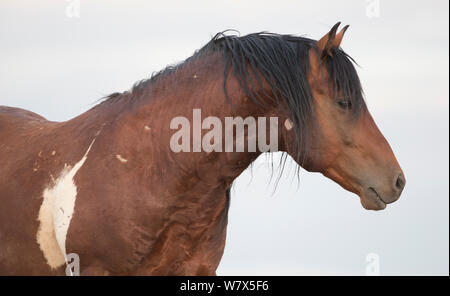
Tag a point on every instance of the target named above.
point(15, 125)
point(11, 117)
point(18, 128)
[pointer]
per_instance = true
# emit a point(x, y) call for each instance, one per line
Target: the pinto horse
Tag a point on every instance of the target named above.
point(106, 186)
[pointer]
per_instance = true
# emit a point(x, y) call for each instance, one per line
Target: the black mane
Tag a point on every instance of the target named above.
point(283, 62)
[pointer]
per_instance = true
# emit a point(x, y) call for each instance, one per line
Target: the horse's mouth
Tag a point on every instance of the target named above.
point(371, 200)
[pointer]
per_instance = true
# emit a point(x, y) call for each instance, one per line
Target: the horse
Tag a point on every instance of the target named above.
point(106, 186)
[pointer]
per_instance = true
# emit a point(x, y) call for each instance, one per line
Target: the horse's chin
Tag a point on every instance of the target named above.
point(370, 200)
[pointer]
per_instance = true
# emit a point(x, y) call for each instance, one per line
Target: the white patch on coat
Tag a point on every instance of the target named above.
point(121, 159)
point(147, 128)
point(288, 124)
point(56, 213)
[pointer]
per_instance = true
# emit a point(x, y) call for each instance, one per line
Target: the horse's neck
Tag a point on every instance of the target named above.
point(137, 129)
point(142, 135)
point(195, 172)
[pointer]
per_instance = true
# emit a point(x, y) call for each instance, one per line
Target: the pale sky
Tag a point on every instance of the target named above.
point(58, 66)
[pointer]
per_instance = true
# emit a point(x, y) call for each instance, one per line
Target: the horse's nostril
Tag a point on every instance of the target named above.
point(400, 183)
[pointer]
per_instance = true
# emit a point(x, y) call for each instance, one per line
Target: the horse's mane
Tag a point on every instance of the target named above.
point(283, 62)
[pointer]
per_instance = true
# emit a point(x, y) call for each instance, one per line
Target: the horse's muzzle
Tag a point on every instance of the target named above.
point(376, 199)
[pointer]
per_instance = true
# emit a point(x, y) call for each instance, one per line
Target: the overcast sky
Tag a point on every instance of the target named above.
point(56, 62)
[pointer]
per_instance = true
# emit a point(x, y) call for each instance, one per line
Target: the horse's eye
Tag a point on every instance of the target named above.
point(345, 104)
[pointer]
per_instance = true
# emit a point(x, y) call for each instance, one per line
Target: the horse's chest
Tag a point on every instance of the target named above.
point(184, 248)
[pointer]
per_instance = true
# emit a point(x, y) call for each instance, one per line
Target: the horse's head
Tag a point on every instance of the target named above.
point(346, 144)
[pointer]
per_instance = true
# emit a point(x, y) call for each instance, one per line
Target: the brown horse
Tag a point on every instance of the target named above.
point(107, 187)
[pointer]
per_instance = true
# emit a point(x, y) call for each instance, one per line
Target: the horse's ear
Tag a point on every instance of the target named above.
point(338, 39)
point(327, 42)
